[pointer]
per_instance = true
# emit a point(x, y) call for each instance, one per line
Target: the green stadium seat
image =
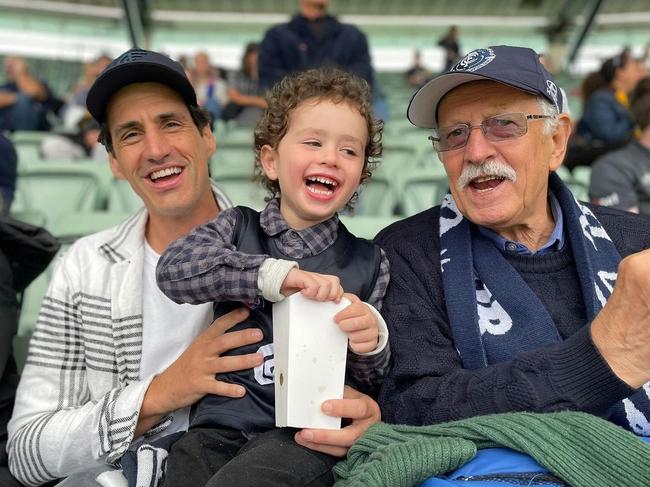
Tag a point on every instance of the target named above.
point(232, 156)
point(58, 188)
point(367, 226)
point(238, 183)
point(376, 196)
point(421, 190)
point(582, 174)
point(31, 301)
point(122, 198)
point(34, 217)
point(71, 226)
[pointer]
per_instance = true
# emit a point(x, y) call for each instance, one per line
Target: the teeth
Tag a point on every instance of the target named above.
point(165, 172)
point(323, 180)
point(318, 191)
point(485, 178)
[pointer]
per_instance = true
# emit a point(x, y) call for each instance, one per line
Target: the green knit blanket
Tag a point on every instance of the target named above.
point(581, 449)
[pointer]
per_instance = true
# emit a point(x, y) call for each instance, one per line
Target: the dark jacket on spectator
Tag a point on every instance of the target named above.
point(8, 167)
point(605, 120)
point(294, 46)
point(25, 252)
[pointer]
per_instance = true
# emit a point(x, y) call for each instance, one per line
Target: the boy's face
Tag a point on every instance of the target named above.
point(318, 162)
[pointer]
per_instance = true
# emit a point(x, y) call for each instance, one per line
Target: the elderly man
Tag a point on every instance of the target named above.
point(507, 297)
point(112, 360)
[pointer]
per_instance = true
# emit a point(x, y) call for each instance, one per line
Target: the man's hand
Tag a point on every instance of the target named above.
point(319, 287)
point(361, 409)
point(621, 331)
point(360, 324)
point(192, 375)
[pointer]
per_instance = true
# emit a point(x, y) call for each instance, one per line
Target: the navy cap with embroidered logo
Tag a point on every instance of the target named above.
point(518, 67)
point(137, 66)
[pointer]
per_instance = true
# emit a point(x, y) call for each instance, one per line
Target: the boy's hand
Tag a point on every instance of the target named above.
point(360, 324)
point(319, 287)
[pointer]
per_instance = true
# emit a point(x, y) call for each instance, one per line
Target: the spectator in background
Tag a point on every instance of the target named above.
point(74, 109)
point(24, 99)
point(621, 179)
point(245, 100)
point(211, 88)
point(311, 39)
point(417, 74)
point(25, 252)
point(606, 122)
point(8, 169)
point(449, 42)
point(73, 147)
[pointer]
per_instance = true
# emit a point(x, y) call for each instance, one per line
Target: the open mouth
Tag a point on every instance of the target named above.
point(164, 174)
point(486, 183)
point(321, 185)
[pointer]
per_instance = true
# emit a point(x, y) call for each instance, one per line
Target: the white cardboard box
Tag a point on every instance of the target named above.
point(309, 353)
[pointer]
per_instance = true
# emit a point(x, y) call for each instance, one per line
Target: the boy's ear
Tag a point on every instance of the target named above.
point(268, 158)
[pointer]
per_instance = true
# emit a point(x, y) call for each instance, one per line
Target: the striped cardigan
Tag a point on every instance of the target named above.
point(80, 394)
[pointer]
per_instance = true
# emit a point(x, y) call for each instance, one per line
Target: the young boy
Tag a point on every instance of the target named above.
point(313, 148)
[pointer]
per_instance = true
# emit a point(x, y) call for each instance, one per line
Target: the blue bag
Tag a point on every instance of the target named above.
point(492, 467)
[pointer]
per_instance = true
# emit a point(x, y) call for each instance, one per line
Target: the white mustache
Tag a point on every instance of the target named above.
point(492, 168)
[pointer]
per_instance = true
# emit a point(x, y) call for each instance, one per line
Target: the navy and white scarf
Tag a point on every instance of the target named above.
point(481, 287)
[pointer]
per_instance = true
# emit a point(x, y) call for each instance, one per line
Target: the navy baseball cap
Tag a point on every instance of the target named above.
point(137, 66)
point(518, 67)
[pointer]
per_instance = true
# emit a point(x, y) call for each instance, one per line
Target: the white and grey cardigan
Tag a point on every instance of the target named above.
point(79, 397)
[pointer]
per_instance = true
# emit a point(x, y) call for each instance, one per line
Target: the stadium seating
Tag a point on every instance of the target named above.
point(58, 188)
point(367, 226)
point(30, 307)
point(421, 189)
point(121, 198)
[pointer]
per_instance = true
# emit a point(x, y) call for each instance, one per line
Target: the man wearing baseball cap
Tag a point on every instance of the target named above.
point(105, 371)
point(506, 297)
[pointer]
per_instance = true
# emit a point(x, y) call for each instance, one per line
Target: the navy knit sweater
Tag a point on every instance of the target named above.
point(427, 383)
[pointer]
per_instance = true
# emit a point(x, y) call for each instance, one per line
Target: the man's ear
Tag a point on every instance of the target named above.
point(210, 140)
point(115, 167)
point(269, 159)
point(560, 141)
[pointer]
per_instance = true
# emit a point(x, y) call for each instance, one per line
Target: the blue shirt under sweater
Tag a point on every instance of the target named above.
point(555, 241)
point(427, 383)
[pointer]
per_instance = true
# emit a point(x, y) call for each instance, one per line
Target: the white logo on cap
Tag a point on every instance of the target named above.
point(551, 89)
point(476, 59)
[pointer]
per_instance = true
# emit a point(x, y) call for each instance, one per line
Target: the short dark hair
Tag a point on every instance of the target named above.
point(322, 84)
point(200, 116)
point(640, 103)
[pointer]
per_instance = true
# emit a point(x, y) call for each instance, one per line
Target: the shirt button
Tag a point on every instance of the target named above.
point(511, 246)
point(203, 264)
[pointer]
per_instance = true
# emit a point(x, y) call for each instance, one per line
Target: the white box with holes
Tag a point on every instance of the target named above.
point(309, 353)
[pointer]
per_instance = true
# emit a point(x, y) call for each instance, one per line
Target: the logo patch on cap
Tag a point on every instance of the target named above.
point(476, 59)
point(131, 56)
point(551, 89)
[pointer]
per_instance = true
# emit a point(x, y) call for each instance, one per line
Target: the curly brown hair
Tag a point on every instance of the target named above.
point(322, 84)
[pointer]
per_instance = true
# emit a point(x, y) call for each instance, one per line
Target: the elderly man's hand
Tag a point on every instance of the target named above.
point(621, 331)
point(360, 408)
point(192, 375)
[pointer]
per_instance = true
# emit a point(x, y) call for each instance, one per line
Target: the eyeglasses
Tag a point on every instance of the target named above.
point(500, 127)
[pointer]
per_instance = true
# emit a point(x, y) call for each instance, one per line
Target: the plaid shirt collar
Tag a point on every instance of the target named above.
point(317, 238)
